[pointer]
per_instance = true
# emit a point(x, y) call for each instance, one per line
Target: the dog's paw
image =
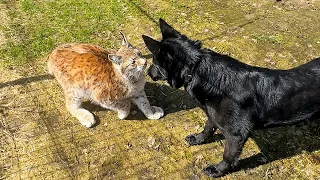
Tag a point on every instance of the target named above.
point(157, 113)
point(195, 139)
point(213, 171)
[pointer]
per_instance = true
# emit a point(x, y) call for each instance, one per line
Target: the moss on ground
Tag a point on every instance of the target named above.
point(39, 138)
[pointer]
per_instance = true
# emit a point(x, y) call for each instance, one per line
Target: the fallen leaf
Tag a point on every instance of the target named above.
point(151, 141)
point(156, 146)
point(198, 158)
point(197, 127)
point(129, 146)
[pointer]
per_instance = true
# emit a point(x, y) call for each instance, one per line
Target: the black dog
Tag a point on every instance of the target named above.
point(236, 97)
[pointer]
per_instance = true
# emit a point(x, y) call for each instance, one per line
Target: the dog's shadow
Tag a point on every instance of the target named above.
point(284, 142)
point(169, 99)
point(274, 143)
point(280, 143)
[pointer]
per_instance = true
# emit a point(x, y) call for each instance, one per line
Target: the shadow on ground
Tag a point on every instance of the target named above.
point(26, 80)
point(274, 143)
point(169, 99)
point(281, 142)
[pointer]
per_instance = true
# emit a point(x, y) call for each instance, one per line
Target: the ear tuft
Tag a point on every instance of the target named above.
point(115, 58)
point(152, 45)
point(167, 30)
point(125, 41)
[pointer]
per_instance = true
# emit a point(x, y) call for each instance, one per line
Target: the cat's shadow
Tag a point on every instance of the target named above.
point(169, 99)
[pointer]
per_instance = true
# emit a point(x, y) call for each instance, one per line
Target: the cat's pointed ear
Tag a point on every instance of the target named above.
point(125, 41)
point(152, 45)
point(115, 58)
point(167, 30)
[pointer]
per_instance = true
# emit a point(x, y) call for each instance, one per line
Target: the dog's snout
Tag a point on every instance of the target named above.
point(152, 75)
point(152, 72)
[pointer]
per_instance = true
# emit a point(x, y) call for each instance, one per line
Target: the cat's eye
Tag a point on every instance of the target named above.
point(138, 53)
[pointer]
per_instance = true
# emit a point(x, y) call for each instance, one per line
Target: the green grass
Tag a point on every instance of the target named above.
point(275, 39)
point(38, 27)
point(48, 140)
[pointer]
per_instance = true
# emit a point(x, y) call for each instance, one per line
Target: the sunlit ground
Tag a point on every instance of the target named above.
point(39, 138)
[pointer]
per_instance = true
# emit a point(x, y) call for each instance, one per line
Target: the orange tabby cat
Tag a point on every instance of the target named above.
point(111, 79)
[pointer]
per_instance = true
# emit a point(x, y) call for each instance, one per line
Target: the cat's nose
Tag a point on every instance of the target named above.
point(142, 61)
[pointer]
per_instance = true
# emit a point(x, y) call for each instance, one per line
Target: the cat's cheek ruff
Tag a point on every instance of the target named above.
point(118, 68)
point(134, 76)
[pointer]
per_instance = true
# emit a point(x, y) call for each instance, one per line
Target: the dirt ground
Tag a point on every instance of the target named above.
point(39, 139)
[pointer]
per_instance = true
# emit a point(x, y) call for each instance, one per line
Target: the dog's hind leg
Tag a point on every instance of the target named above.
point(232, 151)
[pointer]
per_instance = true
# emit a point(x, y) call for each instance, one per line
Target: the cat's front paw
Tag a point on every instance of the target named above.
point(123, 114)
point(86, 118)
point(157, 113)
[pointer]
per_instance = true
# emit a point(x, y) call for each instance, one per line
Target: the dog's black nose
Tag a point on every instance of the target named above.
point(151, 75)
point(154, 78)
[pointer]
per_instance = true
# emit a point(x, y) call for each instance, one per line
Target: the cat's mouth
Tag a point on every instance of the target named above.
point(140, 69)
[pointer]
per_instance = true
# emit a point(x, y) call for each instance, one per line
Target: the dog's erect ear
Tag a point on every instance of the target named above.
point(167, 30)
point(151, 44)
point(125, 41)
point(115, 58)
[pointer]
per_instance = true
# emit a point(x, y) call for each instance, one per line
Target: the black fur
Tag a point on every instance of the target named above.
point(236, 97)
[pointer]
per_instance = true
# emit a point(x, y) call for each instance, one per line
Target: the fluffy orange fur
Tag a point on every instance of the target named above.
point(112, 79)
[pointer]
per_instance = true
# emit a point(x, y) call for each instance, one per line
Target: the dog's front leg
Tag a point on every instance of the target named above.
point(202, 137)
point(209, 128)
point(232, 151)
